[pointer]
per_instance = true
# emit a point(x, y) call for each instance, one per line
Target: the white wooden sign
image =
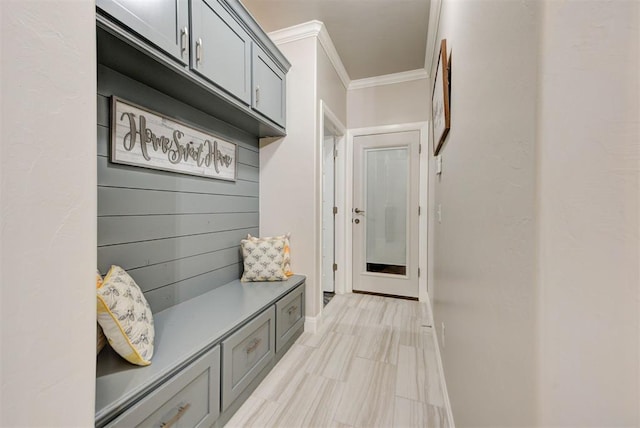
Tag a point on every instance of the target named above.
point(145, 138)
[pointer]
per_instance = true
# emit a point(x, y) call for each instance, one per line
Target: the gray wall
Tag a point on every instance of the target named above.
point(177, 235)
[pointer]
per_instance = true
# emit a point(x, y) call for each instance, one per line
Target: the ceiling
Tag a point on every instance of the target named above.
point(372, 37)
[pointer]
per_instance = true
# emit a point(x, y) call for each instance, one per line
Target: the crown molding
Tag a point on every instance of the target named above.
point(318, 30)
point(332, 53)
point(296, 32)
point(389, 79)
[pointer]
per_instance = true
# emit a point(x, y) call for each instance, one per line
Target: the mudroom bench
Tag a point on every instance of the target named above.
point(210, 354)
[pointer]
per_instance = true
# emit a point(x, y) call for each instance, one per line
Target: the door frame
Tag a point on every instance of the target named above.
point(423, 219)
point(325, 114)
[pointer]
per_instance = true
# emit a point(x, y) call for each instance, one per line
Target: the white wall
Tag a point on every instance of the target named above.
point(330, 88)
point(485, 245)
point(47, 213)
point(537, 256)
point(588, 216)
point(391, 104)
point(288, 169)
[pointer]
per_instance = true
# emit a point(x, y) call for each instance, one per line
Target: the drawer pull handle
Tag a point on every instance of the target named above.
point(181, 411)
point(253, 346)
point(292, 309)
point(199, 51)
point(184, 39)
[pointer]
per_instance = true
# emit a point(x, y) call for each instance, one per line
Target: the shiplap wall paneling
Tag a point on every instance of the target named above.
point(177, 235)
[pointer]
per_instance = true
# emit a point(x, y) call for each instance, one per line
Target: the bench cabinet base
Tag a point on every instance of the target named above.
point(205, 387)
point(190, 398)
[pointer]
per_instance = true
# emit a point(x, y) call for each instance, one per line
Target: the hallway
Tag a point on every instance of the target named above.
point(373, 363)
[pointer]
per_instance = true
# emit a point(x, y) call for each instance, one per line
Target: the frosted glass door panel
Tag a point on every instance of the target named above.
point(386, 175)
point(386, 190)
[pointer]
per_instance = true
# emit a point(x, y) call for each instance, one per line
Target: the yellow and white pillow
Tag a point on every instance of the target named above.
point(263, 260)
point(101, 340)
point(125, 317)
point(286, 266)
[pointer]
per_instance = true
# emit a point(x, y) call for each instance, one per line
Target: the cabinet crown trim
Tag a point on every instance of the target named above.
point(316, 29)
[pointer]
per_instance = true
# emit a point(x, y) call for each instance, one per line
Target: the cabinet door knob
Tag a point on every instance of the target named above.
point(257, 94)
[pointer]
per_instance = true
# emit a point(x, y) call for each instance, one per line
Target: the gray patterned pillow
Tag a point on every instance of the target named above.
point(263, 260)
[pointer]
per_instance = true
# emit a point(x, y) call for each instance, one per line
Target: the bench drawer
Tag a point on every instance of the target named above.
point(289, 316)
point(189, 399)
point(246, 353)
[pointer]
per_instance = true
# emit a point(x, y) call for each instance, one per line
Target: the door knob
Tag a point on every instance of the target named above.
point(356, 221)
point(358, 211)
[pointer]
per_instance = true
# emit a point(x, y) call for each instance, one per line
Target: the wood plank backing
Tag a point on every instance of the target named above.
point(248, 157)
point(248, 172)
point(122, 229)
point(103, 110)
point(165, 297)
point(139, 254)
point(177, 235)
point(157, 276)
point(122, 201)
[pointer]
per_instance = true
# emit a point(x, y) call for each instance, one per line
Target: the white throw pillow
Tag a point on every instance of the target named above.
point(287, 250)
point(263, 260)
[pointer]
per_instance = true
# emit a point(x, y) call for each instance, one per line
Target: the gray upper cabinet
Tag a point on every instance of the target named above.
point(268, 82)
point(210, 54)
point(163, 23)
point(221, 49)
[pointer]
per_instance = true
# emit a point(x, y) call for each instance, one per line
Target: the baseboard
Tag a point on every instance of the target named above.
point(311, 324)
point(443, 383)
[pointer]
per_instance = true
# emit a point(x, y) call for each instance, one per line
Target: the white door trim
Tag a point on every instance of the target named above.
point(340, 168)
point(347, 244)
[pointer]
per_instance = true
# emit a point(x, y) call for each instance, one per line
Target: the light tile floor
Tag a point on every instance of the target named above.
point(371, 364)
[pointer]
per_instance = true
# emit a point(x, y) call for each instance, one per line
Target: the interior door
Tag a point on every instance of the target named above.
point(385, 213)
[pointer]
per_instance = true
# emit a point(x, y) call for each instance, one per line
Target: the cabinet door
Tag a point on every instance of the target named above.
point(221, 49)
point(164, 23)
point(268, 87)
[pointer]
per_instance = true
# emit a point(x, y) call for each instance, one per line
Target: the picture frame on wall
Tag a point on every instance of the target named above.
point(441, 115)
